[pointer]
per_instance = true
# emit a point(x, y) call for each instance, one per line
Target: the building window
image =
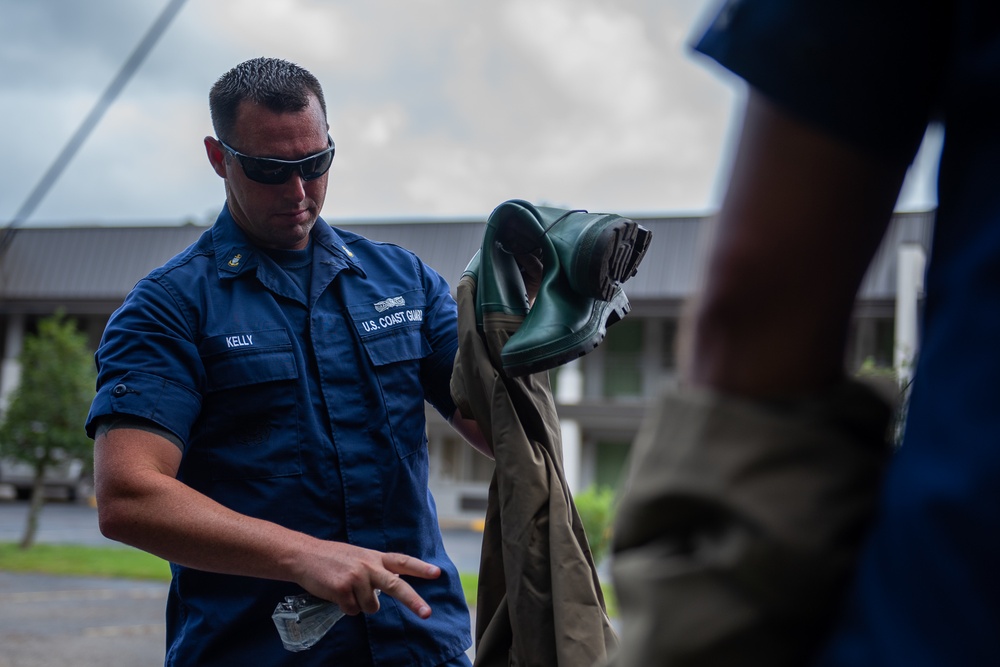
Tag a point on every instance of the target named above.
point(885, 342)
point(668, 345)
point(448, 459)
point(612, 458)
point(622, 356)
point(459, 462)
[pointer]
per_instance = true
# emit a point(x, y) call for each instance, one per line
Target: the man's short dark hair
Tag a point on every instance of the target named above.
point(276, 84)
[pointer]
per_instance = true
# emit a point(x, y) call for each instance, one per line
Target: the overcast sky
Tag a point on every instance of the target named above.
point(439, 108)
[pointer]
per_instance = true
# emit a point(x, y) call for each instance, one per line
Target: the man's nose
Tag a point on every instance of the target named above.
point(295, 184)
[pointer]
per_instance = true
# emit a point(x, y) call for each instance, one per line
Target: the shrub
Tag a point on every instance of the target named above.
point(596, 506)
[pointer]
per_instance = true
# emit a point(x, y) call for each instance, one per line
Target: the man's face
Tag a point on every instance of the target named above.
point(273, 216)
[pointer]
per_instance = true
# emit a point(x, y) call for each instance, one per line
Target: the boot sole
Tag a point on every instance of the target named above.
point(613, 258)
point(564, 350)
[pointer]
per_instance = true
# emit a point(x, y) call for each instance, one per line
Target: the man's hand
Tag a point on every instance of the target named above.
point(350, 575)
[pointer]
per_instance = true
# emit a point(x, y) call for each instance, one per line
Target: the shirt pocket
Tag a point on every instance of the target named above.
point(250, 416)
point(394, 342)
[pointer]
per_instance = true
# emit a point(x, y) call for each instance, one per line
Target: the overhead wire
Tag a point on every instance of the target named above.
point(71, 147)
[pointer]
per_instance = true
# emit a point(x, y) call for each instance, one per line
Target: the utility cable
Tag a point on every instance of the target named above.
point(90, 122)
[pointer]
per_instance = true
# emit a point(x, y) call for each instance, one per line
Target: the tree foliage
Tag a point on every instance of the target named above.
point(596, 506)
point(43, 425)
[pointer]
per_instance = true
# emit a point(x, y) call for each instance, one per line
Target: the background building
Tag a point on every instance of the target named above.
point(601, 397)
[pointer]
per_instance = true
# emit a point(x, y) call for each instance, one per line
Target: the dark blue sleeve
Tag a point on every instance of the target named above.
point(148, 364)
point(441, 330)
point(866, 71)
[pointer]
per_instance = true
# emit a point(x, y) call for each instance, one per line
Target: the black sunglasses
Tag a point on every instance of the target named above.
point(271, 171)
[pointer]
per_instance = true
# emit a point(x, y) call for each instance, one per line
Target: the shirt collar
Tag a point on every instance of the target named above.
point(235, 253)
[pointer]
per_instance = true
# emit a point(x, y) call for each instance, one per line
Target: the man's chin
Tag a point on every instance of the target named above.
point(292, 235)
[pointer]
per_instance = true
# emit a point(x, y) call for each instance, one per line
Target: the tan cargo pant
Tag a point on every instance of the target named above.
point(539, 599)
point(740, 525)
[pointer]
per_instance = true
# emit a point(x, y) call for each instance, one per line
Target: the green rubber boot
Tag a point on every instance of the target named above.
point(564, 323)
point(499, 286)
point(557, 331)
point(597, 251)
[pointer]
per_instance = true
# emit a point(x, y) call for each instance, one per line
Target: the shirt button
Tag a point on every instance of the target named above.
point(119, 390)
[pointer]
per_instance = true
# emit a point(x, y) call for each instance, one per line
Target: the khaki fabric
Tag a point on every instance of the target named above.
point(740, 525)
point(539, 598)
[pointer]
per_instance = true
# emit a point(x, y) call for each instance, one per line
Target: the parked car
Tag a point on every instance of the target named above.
point(71, 479)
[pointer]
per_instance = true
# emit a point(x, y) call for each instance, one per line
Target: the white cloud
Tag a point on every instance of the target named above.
point(438, 107)
point(597, 53)
point(381, 126)
point(307, 32)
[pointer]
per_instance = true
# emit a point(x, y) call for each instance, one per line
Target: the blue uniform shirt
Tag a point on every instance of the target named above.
point(304, 410)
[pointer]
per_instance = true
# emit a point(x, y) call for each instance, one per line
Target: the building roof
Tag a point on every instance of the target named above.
point(99, 265)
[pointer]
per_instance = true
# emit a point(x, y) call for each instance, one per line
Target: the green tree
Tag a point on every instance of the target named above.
point(43, 425)
point(596, 506)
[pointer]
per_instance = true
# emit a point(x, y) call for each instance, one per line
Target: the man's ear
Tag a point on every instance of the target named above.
point(216, 156)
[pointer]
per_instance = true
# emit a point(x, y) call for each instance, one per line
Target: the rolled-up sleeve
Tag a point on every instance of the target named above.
point(148, 363)
point(868, 73)
point(440, 326)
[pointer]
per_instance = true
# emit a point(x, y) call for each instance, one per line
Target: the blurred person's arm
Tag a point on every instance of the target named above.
point(801, 219)
point(752, 487)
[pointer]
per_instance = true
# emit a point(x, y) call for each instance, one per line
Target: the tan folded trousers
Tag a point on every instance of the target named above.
point(741, 523)
point(539, 598)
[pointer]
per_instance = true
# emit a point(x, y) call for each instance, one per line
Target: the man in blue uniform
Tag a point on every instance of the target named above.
point(840, 94)
point(259, 420)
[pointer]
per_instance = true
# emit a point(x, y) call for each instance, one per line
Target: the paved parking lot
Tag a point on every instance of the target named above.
point(46, 621)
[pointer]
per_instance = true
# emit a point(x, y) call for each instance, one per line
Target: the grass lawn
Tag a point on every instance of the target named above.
point(119, 563)
point(128, 563)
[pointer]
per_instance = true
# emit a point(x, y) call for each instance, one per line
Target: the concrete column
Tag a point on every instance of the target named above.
point(569, 392)
point(10, 367)
point(911, 260)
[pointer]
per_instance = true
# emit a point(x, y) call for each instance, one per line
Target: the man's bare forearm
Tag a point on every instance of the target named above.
point(141, 503)
point(802, 218)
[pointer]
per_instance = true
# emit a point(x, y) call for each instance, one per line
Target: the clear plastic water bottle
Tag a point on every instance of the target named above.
point(302, 620)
